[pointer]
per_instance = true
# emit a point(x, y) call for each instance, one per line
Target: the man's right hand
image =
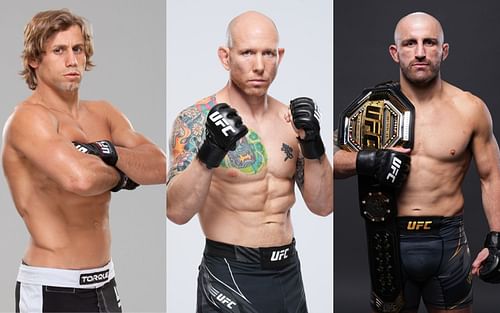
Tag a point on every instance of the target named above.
point(223, 129)
point(101, 148)
point(388, 167)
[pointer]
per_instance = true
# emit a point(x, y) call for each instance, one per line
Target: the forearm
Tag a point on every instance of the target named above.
point(187, 192)
point(490, 190)
point(317, 189)
point(344, 164)
point(145, 164)
point(92, 178)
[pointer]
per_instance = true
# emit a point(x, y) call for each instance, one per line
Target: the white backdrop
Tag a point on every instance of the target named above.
point(195, 29)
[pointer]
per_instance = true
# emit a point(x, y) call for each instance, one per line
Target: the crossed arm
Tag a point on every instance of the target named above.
point(33, 133)
point(138, 157)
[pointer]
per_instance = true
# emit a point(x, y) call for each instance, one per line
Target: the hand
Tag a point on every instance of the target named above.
point(388, 167)
point(487, 262)
point(223, 129)
point(305, 117)
point(104, 149)
point(124, 183)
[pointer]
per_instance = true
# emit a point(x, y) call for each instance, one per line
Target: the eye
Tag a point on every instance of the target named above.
point(430, 42)
point(246, 52)
point(269, 53)
point(78, 49)
point(57, 51)
point(409, 43)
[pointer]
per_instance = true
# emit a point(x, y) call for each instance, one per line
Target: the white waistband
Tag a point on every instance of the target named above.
point(46, 276)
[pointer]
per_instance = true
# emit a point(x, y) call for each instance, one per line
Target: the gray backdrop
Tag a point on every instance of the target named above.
point(130, 72)
point(363, 32)
point(195, 29)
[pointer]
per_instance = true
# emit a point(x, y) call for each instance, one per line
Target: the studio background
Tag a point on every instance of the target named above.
point(130, 73)
point(195, 29)
point(363, 31)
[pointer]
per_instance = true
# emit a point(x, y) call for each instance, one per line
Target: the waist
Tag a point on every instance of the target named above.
point(429, 225)
point(265, 256)
point(84, 279)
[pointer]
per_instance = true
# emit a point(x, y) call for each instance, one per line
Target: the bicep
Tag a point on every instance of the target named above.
point(484, 145)
point(186, 138)
point(36, 138)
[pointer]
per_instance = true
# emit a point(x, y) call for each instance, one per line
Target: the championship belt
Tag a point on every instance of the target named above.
point(380, 118)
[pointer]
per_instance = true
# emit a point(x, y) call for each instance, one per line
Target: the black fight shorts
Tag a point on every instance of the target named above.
point(436, 262)
point(250, 280)
point(40, 289)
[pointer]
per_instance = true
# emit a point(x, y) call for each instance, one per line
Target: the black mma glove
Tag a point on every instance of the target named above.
point(102, 148)
point(223, 129)
point(305, 116)
point(388, 167)
point(124, 183)
point(490, 269)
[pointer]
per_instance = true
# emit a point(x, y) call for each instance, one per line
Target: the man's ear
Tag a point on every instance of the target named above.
point(393, 51)
point(281, 54)
point(223, 53)
point(33, 63)
point(446, 50)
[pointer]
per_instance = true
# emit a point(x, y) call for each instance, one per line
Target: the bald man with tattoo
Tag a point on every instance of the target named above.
point(236, 156)
point(452, 126)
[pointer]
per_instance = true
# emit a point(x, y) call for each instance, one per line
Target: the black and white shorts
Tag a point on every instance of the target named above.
point(250, 280)
point(42, 289)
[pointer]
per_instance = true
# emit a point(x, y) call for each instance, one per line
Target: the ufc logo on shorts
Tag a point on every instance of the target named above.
point(225, 300)
point(222, 298)
point(279, 255)
point(219, 120)
point(396, 165)
point(104, 146)
point(416, 225)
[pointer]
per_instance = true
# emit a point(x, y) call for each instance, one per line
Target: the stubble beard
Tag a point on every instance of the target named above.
point(421, 81)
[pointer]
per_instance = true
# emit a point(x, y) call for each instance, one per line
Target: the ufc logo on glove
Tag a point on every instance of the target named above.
point(219, 120)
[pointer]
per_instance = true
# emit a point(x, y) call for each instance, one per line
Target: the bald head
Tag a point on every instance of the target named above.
point(250, 23)
point(418, 21)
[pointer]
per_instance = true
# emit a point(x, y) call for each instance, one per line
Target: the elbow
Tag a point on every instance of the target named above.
point(324, 211)
point(176, 216)
point(80, 185)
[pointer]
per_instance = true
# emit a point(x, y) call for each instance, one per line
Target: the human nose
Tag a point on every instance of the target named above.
point(420, 53)
point(71, 60)
point(258, 64)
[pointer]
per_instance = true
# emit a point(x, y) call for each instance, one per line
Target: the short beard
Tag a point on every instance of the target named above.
point(421, 82)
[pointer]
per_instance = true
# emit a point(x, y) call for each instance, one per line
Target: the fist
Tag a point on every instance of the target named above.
point(101, 148)
point(388, 167)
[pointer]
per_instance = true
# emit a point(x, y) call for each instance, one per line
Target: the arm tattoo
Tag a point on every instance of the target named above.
point(187, 136)
point(299, 172)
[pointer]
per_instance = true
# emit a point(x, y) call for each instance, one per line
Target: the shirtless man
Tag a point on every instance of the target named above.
point(62, 156)
point(451, 127)
point(240, 177)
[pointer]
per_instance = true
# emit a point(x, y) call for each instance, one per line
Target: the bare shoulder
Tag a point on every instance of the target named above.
point(28, 116)
point(100, 107)
point(278, 106)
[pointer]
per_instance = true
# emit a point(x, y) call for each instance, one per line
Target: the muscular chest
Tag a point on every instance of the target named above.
point(442, 134)
point(269, 148)
point(88, 127)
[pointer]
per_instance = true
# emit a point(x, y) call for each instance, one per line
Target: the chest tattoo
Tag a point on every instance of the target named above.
point(249, 156)
point(288, 151)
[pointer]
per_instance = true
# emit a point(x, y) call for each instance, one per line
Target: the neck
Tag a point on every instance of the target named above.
point(253, 105)
point(62, 101)
point(422, 93)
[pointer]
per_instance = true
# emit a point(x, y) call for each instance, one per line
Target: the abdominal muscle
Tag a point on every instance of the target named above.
point(67, 231)
point(433, 188)
point(254, 212)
